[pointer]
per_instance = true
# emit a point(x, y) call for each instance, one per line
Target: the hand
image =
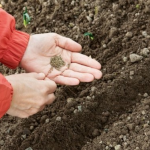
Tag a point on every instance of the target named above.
point(77, 68)
point(30, 93)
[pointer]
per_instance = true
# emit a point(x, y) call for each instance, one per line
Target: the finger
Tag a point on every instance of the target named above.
point(39, 76)
point(67, 43)
point(50, 85)
point(84, 69)
point(66, 80)
point(50, 99)
point(83, 77)
point(85, 60)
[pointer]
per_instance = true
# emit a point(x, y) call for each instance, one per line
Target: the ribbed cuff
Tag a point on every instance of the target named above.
point(15, 49)
point(6, 92)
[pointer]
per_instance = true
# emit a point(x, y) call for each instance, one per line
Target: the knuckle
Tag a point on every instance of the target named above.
point(51, 99)
point(32, 111)
point(41, 102)
point(44, 90)
point(54, 85)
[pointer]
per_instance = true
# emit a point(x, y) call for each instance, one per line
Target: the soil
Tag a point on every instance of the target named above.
point(108, 114)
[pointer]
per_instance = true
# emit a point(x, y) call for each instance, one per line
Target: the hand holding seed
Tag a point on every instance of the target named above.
point(59, 59)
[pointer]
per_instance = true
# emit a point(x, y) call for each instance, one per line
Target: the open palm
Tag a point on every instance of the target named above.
point(78, 67)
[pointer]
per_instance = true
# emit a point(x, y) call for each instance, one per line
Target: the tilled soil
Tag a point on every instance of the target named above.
point(107, 114)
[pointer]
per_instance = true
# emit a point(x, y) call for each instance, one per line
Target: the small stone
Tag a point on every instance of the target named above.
point(129, 34)
point(125, 59)
point(107, 147)
point(113, 32)
point(130, 126)
point(1, 142)
point(75, 111)
point(147, 107)
point(146, 126)
point(146, 101)
point(29, 148)
point(115, 7)
point(91, 15)
point(135, 57)
point(143, 112)
point(106, 114)
point(71, 25)
point(93, 88)
point(58, 118)
point(72, 3)
point(89, 18)
point(147, 9)
point(147, 133)
point(71, 104)
point(118, 147)
point(24, 136)
point(131, 73)
point(144, 33)
point(70, 100)
point(131, 77)
point(104, 45)
point(88, 97)
point(125, 144)
point(124, 138)
point(121, 136)
point(47, 120)
point(137, 129)
point(31, 127)
point(80, 108)
point(24, 8)
point(145, 52)
point(137, 14)
point(128, 118)
point(145, 95)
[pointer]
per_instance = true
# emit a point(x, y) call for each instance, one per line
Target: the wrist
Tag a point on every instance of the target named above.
point(15, 49)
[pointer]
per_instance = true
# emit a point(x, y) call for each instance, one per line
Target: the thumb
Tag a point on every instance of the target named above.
point(39, 76)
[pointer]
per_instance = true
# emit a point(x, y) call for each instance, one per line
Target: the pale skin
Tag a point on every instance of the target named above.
point(42, 47)
point(32, 91)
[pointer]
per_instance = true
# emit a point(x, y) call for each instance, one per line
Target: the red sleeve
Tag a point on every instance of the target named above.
point(12, 42)
point(6, 93)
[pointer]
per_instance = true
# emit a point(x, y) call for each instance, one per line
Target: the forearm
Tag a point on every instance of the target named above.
point(13, 43)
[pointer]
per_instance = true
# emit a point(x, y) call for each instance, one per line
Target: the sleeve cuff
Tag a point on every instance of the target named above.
point(15, 49)
point(6, 92)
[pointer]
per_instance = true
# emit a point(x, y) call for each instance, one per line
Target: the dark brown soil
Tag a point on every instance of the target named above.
point(88, 116)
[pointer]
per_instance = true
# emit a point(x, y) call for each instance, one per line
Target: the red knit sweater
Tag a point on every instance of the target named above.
point(13, 44)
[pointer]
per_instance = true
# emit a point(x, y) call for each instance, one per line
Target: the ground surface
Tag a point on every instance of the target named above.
point(108, 114)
